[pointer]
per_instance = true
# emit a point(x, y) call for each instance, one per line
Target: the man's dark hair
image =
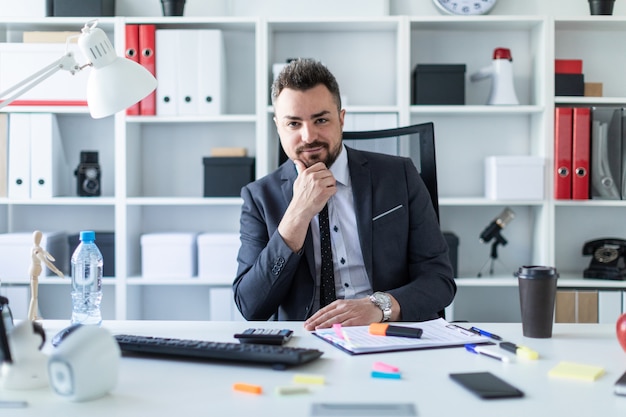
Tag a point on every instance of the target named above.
point(303, 74)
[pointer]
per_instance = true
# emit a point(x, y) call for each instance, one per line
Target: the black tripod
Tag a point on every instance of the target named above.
point(493, 257)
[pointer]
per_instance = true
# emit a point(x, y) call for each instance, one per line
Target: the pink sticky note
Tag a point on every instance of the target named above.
point(383, 367)
point(337, 329)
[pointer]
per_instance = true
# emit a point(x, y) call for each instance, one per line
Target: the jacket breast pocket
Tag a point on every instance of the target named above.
point(389, 215)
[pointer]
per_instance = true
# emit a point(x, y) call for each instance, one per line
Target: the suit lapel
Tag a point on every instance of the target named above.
point(360, 175)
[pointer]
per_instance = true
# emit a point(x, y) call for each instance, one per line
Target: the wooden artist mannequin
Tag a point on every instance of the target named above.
point(38, 255)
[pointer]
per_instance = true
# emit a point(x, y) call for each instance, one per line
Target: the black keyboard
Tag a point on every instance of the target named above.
point(277, 356)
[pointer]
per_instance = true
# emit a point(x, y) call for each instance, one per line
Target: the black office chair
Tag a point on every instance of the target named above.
point(422, 138)
point(421, 134)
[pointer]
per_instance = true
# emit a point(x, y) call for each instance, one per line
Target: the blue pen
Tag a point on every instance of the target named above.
point(480, 351)
point(485, 333)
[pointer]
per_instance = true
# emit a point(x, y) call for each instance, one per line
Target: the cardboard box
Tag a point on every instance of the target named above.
point(569, 84)
point(593, 89)
point(568, 66)
point(105, 242)
point(439, 84)
point(16, 259)
point(18, 60)
point(514, 178)
point(217, 257)
point(224, 176)
point(169, 255)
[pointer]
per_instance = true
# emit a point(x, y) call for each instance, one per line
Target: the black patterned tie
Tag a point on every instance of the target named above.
point(327, 274)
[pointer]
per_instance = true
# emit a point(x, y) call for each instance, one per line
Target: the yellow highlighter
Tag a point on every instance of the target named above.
point(521, 351)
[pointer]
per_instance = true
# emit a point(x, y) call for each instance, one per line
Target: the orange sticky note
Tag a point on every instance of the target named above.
point(249, 388)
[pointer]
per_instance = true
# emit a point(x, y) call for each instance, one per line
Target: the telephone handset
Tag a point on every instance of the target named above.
point(607, 260)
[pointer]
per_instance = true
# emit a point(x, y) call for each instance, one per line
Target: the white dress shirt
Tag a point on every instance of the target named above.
point(351, 279)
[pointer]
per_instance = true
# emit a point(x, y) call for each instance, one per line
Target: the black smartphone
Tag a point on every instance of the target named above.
point(486, 385)
point(620, 385)
point(265, 336)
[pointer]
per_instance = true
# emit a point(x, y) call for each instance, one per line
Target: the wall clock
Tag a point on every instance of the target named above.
point(465, 7)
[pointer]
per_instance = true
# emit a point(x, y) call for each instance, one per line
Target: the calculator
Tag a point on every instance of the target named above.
point(265, 336)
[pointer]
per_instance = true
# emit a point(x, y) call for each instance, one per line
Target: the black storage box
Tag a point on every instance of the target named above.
point(439, 84)
point(80, 8)
point(106, 243)
point(569, 84)
point(224, 176)
point(453, 251)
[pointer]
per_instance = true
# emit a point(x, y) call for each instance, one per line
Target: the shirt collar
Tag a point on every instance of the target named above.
point(340, 167)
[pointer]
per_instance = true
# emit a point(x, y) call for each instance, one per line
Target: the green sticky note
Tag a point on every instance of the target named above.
point(576, 371)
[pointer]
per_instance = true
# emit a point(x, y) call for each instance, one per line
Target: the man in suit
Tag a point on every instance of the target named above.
point(390, 259)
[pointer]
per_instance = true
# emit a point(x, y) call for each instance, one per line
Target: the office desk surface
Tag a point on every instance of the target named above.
point(156, 387)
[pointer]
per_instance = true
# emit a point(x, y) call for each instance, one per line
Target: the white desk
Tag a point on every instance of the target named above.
point(149, 387)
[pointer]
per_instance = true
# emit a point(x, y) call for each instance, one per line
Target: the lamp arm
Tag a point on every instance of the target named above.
point(66, 62)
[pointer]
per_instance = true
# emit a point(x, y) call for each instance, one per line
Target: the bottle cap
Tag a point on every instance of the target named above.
point(87, 236)
point(502, 53)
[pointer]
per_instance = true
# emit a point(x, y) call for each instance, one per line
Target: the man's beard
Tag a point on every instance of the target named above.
point(331, 157)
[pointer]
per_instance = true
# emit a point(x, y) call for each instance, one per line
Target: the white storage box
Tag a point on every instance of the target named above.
point(514, 178)
point(217, 257)
point(168, 255)
point(16, 259)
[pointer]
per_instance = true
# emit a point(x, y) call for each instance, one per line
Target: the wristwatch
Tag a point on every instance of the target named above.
point(382, 301)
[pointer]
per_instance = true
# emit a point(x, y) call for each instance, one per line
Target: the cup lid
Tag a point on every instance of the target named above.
point(536, 272)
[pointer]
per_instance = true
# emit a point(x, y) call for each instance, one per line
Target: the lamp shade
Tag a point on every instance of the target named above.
point(114, 83)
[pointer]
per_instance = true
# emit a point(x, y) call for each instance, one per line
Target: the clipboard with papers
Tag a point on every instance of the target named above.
point(437, 333)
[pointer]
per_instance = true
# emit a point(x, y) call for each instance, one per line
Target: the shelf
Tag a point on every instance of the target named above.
point(152, 165)
point(139, 281)
point(479, 110)
point(46, 109)
point(590, 101)
point(60, 201)
point(234, 118)
point(478, 201)
point(184, 201)
point(562, 282)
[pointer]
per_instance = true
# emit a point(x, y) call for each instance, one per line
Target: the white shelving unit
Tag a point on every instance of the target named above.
point(153, 173)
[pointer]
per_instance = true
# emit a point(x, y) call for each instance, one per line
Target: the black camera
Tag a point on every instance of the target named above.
point(88, 175)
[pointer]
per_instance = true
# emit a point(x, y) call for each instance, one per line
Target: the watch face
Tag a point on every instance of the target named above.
point(382, 300)
point(465, 7)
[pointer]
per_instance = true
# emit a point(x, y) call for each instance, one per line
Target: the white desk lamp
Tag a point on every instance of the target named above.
point(114, 83)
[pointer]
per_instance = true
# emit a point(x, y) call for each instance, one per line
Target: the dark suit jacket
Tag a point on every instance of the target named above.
point(404, 250)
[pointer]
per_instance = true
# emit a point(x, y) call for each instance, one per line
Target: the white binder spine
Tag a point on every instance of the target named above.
point(211, 73)
point(19, 156)
point(49, 173)
point(166, 57)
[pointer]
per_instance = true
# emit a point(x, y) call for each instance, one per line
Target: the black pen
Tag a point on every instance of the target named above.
point(485, 333)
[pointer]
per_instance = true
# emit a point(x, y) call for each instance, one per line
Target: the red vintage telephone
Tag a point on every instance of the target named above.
point(608, 258)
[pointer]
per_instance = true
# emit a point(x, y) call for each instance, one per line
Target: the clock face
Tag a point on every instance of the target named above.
point(465, 7)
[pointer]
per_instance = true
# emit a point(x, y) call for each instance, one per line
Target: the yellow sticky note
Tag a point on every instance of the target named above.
point(308, 379)
point(576, 371)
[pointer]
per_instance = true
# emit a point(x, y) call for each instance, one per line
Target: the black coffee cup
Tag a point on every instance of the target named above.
point(537, 293)
point(173, 7)
point(601, 7)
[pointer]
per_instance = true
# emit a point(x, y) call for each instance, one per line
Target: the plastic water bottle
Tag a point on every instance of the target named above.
point(87, 281)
